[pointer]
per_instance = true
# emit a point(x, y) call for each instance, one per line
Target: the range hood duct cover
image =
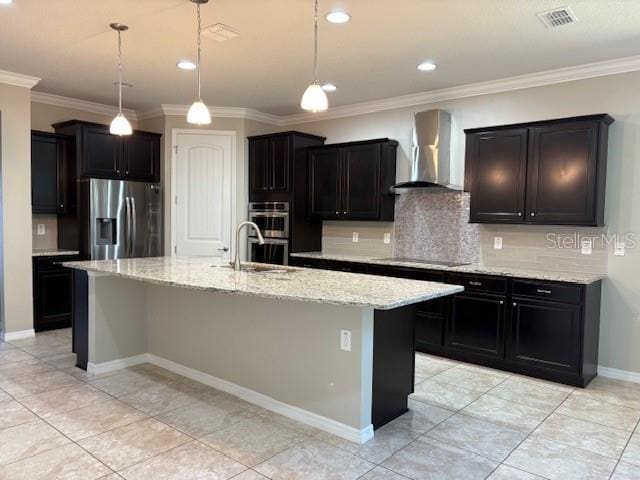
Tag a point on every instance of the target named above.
point(431, 153)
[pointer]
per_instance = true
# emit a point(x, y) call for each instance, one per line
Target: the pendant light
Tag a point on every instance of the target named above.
point(120, 125)
point(199, 113)
point(314, 98)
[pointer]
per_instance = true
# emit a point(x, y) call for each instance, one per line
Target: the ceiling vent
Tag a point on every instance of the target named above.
point(557, 17)
point(220, 32)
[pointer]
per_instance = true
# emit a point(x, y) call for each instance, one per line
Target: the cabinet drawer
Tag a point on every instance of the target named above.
point(53, 263)
point(548, 291)
point(478, 283)
point(406, 272)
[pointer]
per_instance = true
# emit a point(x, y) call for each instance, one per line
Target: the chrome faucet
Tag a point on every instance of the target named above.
point(236, 260)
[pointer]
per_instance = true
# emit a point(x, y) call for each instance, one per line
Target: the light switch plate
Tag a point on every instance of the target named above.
point(41, 230)
point(345, 340)
point(586, 247)
point(619, 249)
point(497, 243)
point(387, 238)
point(355, 238)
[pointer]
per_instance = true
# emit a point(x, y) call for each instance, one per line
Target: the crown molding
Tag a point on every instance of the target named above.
point(548, 77)
point(18, 79)
point(226, 112)
point(83, 105)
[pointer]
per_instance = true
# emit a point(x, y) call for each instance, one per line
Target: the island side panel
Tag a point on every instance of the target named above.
point(117, 321)
point(286, 350)
point(393, 363)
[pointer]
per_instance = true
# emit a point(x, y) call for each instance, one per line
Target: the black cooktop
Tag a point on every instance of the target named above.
point(428, 262)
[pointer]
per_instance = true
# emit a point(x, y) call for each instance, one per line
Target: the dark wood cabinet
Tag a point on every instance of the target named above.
point(49, 172)
point(140, 157)
point(99, 154)
point(270, 165)
point(542, 329)
point(497, 168)
point(352, 181)
point(52, 293)
point(545, 334)
point(325, 183)
point(279, 172)
point(551, 172)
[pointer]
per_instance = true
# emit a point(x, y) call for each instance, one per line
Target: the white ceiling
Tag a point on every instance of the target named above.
point(69, 45)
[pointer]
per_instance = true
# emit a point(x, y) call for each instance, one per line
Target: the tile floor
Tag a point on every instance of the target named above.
point(147, 423)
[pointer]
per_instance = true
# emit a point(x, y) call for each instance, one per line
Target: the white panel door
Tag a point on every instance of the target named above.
point(203, 194)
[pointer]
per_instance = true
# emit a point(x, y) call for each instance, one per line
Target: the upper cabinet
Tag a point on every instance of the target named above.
point(49, 168)
point(103, 155)
point(272, 159)
point(550, 173)
point(352, 181)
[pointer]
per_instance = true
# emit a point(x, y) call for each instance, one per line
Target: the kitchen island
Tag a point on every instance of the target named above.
point(331, 349)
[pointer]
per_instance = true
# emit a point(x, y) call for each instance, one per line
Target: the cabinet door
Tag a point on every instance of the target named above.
point(325, 178)
point(279, 164)
point(476, 324)
point(545, 334)
point(258, 166)
point(562, 173)
point(53, 306)
point(361, 178)
point(47, 173)
point(429, 329)
point(496, 176)
point(101, 153)
point(141, 157)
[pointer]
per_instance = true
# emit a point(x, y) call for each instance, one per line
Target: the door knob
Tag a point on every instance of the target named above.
point(519, 214)
point(337, 213)
point(223, 249)
point(515, 304)
point(533, 214)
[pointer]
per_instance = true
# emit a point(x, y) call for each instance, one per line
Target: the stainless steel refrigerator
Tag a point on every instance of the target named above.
point(120, 219)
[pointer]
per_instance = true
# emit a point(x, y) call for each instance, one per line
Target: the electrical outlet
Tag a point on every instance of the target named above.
point(619, 249)
point(387, 238)
point(497, 243)
point(586, 247)
point(345, 340)
point(41, 229)
point(355, 237)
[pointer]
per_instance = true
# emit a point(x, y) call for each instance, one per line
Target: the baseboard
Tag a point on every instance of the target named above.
point(19, 335)
point(119, 364)
point(619, 374)
point(264, 401)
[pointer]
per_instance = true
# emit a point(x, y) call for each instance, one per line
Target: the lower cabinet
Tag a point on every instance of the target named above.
point(476, 324)
point(545, 335)
point(52, 294)
point(548, 330)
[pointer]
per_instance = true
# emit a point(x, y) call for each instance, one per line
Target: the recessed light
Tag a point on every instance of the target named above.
point(338, 17)
point(427, 66)
point(185, 64)
point(329, 87)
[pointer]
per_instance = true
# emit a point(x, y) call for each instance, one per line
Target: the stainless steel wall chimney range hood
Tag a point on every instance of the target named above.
point(431, 154)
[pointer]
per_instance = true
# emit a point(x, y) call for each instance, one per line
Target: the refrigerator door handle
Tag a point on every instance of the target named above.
point(134, 222)
point(127, 233)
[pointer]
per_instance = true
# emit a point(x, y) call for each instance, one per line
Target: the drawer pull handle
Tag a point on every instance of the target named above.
point(475, 284)
point(541, 290)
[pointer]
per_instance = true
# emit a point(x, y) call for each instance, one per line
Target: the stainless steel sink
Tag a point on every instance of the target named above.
point(259, 268)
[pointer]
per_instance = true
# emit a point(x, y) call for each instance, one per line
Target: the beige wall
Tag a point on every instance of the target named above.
point(43, 116)
point(17, 304)
point(616, 95)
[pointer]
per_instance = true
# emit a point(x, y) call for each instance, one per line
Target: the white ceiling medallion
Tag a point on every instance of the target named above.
point(120, 125)
point(314, 99)
point(199, 113)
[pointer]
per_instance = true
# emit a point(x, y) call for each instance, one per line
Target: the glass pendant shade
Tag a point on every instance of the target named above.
point(314, 99)
point(199, 114)
point(120, 126)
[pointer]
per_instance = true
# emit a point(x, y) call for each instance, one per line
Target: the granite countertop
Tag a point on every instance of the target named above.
point(301, 284)
point(52, 252)
point(559, 276)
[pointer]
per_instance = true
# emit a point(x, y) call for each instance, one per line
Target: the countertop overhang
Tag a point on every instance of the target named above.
point(584, 278)
point(301, 284)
